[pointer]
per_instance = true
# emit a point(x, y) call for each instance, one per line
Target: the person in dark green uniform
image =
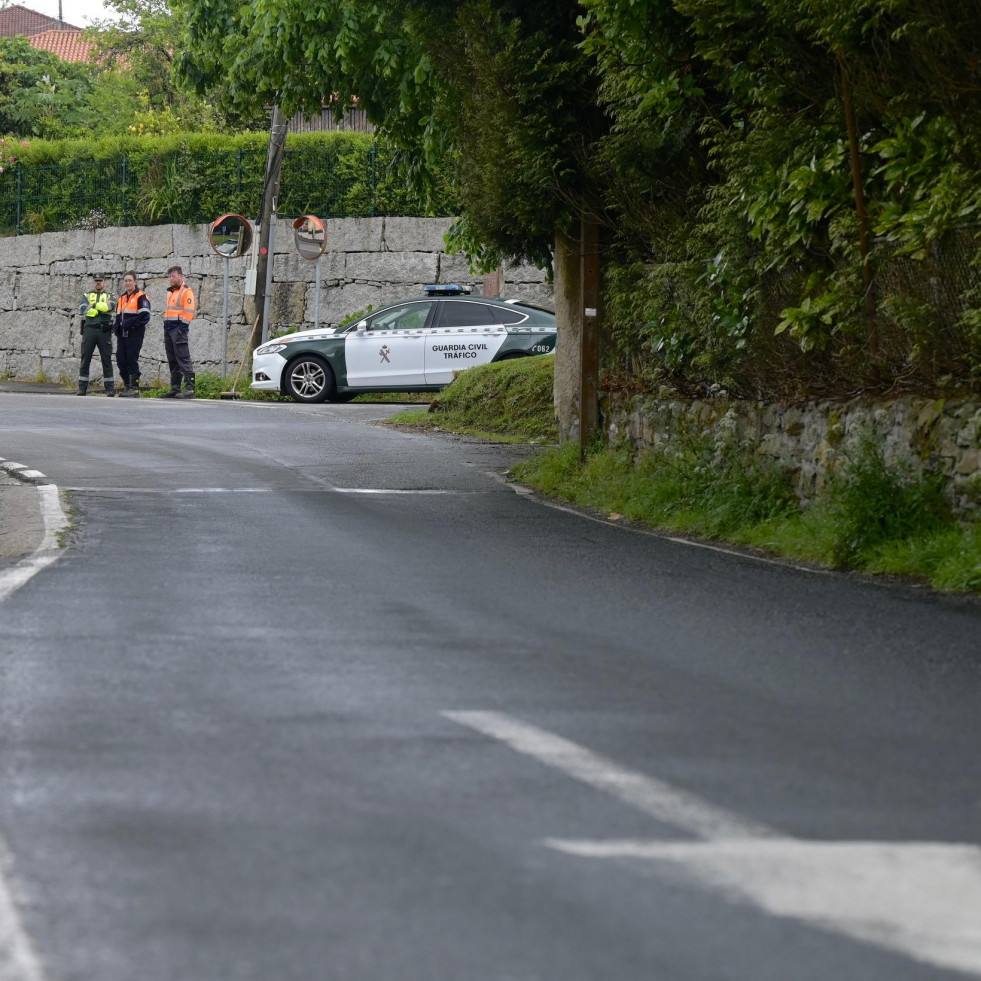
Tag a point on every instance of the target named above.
point(97, 309)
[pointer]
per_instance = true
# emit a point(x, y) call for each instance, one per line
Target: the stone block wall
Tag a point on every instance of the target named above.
point(369, 262)
point(810, 440)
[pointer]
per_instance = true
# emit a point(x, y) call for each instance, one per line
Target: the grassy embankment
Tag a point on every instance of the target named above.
point(872, 518)
point(508, 402)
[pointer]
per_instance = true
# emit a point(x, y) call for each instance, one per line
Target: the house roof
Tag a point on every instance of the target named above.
point(17, 20)
point(67, 45)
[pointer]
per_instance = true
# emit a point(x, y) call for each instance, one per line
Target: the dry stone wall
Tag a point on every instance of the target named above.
point(369, 262)
point(810, 440)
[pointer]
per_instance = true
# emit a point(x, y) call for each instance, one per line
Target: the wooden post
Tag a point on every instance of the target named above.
point(267, 214)
point(861, 213)
point(589, 356)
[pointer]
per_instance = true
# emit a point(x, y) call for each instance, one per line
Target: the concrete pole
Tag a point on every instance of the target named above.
point(224, 324)
point(316, 297)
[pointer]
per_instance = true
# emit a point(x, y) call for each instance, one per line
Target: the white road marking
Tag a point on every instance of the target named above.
point(660, 800)
point(47, 553)
point(172, 490)
point(18, 959)
point(919, 899)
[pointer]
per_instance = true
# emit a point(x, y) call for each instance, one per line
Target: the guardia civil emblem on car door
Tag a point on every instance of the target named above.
point(384, 352)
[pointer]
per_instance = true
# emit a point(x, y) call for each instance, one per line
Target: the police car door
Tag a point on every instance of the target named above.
point(391, 350)
point(466, 333)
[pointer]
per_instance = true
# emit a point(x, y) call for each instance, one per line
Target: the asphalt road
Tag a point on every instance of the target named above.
point(308, 698)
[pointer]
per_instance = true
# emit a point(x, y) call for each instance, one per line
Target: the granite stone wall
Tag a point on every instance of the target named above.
point(369, 262)
point(810, 440)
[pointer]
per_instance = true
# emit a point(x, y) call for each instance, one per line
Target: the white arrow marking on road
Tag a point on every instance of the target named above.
point(920, 899)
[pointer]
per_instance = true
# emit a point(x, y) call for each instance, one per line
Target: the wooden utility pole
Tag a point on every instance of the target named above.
point(589, 291)
point(860, 212)
point(267, 217)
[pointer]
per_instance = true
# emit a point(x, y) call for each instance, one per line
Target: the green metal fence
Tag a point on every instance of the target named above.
point(194, 187)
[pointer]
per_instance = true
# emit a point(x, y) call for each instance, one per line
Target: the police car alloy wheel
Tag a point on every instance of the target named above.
point(309, 379)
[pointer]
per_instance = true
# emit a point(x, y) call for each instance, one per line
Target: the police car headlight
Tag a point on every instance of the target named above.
point(271, 349)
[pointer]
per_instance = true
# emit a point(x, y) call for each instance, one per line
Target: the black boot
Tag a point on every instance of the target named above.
point(83, 387)
point(132, 390)
point(175, 386)
point(110, 389)
point(188, 392)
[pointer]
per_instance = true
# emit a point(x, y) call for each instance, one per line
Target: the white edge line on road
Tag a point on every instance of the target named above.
point(47, 553)
point(522, 490)
point(656, 798)
point(18, 959)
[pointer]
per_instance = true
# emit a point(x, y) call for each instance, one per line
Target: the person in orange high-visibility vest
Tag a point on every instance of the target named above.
point(177, 320)
point(132, 316)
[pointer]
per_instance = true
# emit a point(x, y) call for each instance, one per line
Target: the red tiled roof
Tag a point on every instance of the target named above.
point(67, 45)
point(17, 20)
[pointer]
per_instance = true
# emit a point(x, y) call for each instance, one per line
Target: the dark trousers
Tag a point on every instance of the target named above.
point(178, 356)
point(128, 347)
point(92, 338)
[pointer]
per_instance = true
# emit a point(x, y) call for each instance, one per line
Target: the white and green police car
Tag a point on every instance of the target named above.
point(412, 346)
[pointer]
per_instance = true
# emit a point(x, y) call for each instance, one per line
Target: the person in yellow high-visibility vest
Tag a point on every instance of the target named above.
point(97, 308)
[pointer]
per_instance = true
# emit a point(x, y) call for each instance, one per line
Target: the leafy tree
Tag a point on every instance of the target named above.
point(135, 51)
point(40, 95)
point(501, 90)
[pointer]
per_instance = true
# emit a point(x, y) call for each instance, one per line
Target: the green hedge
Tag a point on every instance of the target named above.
point(193, 178)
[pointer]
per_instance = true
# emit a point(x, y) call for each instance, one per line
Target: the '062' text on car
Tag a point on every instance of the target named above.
point(414, 345)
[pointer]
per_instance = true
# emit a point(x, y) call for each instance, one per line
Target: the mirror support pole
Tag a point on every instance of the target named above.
point(224, 318)
point(316, 297)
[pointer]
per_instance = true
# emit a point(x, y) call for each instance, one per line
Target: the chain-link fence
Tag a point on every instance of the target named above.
point(195, 187)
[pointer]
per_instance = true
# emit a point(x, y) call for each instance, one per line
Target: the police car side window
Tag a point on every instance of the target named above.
point(510, 315)
point(408, 316)
point(460, 313)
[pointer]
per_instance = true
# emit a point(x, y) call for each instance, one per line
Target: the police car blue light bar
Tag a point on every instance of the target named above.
point(445, 289)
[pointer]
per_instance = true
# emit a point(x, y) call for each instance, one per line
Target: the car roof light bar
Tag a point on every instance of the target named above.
point(445, 289)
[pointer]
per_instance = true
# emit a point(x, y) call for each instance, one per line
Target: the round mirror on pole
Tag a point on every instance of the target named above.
point(311, 240)
point(231, 236)
point(310, 236)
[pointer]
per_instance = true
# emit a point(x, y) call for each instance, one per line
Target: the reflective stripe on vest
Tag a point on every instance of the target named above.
point(180, 304)
point(130, 302)
point(95, 300)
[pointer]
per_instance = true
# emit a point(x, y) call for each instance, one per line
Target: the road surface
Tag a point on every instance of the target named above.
point(309, 698)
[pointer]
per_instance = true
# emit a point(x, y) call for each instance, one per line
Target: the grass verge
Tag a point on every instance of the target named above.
point(872, 517)
point(508, 402)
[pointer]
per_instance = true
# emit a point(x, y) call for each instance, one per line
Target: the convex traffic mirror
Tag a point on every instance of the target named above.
point(310, 236)
point(231, 236)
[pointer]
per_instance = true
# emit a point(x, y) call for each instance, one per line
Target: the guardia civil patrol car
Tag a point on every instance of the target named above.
point(414, 345)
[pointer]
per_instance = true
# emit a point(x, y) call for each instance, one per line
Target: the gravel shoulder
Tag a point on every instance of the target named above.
point(21, 524)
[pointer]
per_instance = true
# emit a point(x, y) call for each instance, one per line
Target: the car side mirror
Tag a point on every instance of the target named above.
point(361, 327)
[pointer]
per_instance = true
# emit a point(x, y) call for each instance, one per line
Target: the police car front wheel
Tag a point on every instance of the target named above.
point(309, 379)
